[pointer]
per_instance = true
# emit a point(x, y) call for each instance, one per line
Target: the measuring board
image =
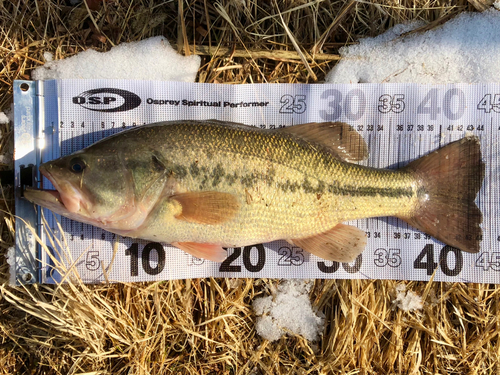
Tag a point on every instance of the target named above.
point(400, 122)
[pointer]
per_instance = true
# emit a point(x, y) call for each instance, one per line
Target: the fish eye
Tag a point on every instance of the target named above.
point(77, 165)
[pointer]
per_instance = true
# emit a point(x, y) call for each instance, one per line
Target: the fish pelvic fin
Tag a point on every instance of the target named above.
point(207, 251)
point(342, 243)
point(450, 179)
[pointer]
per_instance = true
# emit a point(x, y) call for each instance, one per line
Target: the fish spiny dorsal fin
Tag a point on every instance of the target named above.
point(207, 207)
point(342, 243)
point(339, 137)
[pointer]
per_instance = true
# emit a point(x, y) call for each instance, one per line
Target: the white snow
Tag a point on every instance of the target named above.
point(3, 118)
point(288, 310)
point(407, 301)
point(149, 59)
point(10, 256)
point(7, 153)
point(48, 56)
point(465, 49)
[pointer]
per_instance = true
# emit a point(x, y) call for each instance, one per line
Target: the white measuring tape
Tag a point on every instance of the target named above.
point(400, 122)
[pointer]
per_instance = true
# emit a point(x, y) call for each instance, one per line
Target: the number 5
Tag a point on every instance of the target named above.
point(92, 261)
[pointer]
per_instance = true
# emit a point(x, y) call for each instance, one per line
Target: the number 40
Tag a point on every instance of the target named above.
point(425, 260)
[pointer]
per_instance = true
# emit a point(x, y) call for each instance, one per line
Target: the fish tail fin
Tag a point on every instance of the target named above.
point(450, 179)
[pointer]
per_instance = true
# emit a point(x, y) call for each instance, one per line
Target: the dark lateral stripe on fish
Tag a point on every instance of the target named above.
point(347, 190)
point(248, 181)
point(376, 191)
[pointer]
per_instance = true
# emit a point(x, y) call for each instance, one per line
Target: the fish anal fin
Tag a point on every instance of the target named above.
point(343, 243)
point(206, 207)
point(207, 251)
point(341, 138)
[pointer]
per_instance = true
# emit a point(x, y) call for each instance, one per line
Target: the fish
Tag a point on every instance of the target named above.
point(204, 186)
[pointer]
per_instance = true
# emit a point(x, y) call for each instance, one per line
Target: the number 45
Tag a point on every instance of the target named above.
point(487, 261)
point(486, 104)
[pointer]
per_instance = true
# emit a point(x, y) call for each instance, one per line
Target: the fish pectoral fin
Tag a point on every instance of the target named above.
point(207, 251)
point(343, 243)
point(341, 138)
point(206, 207)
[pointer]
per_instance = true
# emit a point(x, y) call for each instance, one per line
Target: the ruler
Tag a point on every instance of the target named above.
point(400, 122)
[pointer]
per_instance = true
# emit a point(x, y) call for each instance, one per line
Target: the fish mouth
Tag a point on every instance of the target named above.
point(69, 196)
point(50, 199)
point(65, 200)
point(54, 201)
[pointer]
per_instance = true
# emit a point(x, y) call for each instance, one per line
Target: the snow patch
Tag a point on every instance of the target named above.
point(4, 119)
point(288, 310)
point(407, 301)
point(48, 56)
point(465, 49)
point(10, 256)
point(149, 59)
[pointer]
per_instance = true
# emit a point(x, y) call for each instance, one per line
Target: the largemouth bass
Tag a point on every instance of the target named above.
point(202, 186)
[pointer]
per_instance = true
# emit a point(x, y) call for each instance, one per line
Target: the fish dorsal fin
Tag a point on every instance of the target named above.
point(342, 243)
point(207, 251)
point(206, 207)
point(339, 137)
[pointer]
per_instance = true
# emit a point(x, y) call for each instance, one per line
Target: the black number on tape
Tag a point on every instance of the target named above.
point(346, 266)
point(444, 264)
point(146, 258)
point(133, 252)
point(428, 254)
point(355, 267)
point(425, 260)
point(261, 258)
point(227, 266)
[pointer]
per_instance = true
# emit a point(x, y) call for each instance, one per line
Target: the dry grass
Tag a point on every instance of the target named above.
point(206, 326)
